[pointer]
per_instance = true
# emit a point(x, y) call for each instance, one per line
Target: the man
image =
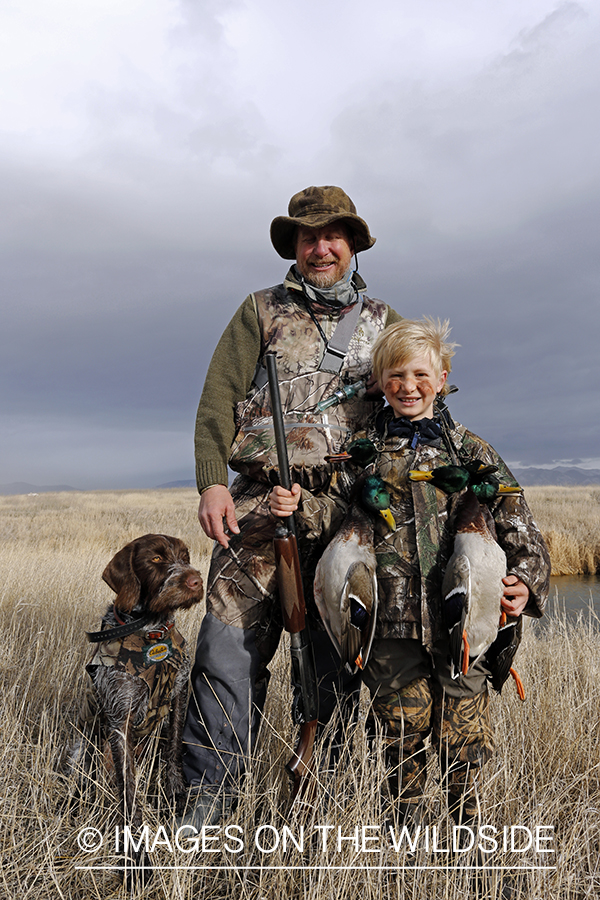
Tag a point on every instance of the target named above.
point(322, 326)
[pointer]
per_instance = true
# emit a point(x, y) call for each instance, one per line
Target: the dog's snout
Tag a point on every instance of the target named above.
point(193, 582)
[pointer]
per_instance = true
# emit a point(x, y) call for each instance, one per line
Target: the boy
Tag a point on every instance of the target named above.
point(409, 672)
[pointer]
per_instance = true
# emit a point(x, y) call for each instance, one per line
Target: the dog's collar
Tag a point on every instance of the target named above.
point(121, 631)
point(159, 633)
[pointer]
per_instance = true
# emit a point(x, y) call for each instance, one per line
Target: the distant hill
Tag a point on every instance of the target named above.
point(23, 487)
point(562, 475)
point(559, 475)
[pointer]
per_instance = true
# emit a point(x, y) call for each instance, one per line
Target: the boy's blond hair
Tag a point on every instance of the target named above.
point(408, 338)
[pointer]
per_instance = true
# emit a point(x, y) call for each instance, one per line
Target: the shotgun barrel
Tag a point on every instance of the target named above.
point(305, 709)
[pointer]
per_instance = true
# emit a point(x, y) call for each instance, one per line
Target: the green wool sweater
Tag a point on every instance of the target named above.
point(228, 382)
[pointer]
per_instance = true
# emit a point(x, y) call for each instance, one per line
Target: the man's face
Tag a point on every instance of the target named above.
point(323, 255)
point(411, 387)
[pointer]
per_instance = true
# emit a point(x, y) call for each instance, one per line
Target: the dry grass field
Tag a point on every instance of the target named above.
point(569, 518)
point(545, 774)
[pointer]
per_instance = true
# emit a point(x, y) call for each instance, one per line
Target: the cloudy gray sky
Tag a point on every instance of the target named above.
point(147, 144)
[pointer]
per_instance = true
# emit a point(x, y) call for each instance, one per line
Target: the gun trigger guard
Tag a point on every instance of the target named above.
point(297, 711)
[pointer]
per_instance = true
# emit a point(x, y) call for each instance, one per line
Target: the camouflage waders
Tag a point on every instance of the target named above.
point(455, 714)
point(238, 638)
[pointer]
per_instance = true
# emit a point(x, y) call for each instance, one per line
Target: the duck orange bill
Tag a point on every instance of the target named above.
point(416, 475)
point(338, 457)
point(518, 683)
point(467, 650)
point(507, 489)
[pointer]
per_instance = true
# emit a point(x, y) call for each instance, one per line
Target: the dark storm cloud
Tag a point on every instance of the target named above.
point(124, 255)
point(488, 197)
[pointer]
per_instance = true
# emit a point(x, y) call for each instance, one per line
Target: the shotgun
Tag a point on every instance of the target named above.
point(305, 707)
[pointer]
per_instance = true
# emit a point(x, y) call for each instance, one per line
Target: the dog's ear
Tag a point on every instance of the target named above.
point(119, 576)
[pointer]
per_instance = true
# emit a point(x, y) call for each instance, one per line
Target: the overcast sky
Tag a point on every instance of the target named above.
point(147, 144)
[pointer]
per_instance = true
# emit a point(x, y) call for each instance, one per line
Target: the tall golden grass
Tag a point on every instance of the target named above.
point(545, 771)
point(569, 519)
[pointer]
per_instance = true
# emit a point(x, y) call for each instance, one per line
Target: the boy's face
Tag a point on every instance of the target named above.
point(411, 387)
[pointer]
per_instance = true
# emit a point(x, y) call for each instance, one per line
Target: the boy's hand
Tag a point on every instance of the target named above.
point(516, 596)
point(283, 503)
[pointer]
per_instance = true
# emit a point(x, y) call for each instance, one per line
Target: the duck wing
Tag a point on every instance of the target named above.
point(358, 612)
point(456, 594)
point(345, 588)
point(501, 654)
point(330, 576)
point(473, 578)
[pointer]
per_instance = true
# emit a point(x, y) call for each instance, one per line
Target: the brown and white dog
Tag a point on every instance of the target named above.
point(139, 669)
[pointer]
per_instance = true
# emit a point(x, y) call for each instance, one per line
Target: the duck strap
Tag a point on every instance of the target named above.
point(428, 539)
point(446, 422)
point(305, 708)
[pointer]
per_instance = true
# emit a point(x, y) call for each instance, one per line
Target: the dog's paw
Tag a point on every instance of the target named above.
point(175, 786)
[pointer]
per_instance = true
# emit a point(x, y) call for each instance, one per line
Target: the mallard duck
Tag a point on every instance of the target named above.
point(345, 583)
point(346, 588)
point(375, 497)
point(476, 549)
point(472, 586)
point(362, 452)
point(474, 474)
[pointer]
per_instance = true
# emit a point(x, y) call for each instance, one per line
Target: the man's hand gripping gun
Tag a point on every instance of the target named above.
point(305, 709)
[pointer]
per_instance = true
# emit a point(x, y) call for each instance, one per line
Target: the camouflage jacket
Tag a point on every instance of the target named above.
point(233, 423)
point(411, 560)
point(155, 661)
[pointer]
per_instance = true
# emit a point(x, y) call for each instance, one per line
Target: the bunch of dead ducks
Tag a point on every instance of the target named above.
point(346, 583)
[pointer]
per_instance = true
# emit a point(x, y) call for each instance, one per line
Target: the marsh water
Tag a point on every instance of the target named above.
point(574, 594)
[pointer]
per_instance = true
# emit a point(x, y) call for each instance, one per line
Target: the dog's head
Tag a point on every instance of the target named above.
point(154, 572)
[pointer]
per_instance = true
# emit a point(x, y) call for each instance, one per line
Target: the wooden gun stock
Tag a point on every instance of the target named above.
point(300, 765)
point(289, 580)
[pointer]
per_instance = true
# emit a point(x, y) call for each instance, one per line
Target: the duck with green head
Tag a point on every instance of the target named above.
point(473, 473)
point(472, 591)
point(345, 583)
point(472, 587)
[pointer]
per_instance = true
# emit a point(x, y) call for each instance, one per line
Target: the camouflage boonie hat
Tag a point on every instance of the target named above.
point(316, 207)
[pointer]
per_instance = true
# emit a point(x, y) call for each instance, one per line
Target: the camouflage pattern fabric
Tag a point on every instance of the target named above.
point(288, 329)
point(411, 561)
point(461, 734)
point(155, 661)
point(242, 580)
point(241, 586)
point(406, 719)
point(462, 728)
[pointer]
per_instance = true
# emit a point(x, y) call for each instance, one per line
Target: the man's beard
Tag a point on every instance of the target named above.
point(324, 280)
